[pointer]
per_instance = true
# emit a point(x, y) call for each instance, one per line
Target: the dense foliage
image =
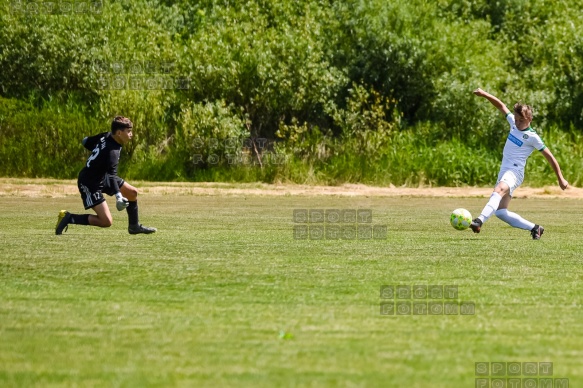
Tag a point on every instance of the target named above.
point(307, 91)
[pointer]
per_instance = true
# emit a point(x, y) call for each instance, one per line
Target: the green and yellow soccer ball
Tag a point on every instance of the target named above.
point(460, 219)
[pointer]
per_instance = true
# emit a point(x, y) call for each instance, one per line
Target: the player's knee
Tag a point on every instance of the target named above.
point(105, 222)
point(502, 189)
point(133, 194)
point(501, 213)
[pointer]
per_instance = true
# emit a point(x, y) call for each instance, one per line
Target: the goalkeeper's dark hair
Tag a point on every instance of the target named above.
point(120, 123)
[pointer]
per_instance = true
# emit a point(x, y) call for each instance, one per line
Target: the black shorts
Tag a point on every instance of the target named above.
point(92, 194)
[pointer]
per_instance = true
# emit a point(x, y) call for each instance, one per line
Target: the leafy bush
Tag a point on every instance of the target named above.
point(375, 91)
point(43, 142)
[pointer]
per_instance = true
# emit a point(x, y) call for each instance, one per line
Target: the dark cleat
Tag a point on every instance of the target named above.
point(62, 222)
point(139, 228)
point(476, 225)
point(536, 232)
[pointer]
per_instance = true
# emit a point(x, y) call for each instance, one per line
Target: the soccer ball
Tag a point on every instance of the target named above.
point(460, 219)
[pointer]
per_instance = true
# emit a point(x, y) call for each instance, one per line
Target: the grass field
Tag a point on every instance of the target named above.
point(223, 295)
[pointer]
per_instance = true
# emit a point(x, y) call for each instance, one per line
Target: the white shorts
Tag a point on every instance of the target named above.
point(510, 178)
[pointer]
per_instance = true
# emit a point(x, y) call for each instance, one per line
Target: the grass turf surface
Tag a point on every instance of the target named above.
point(223, 295)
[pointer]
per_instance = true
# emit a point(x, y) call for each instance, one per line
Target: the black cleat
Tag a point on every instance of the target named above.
point(536, 232)
point(139, 228)
point(476, 225)
point(62, 222)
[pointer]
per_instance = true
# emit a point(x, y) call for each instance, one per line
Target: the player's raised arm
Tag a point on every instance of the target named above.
point(555, 165)
point(493, 100)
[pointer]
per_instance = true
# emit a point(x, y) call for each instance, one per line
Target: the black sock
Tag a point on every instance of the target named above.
point(133, 213)
point(80, 219)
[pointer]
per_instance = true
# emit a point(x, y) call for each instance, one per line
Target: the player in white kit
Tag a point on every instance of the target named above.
point(521, 141)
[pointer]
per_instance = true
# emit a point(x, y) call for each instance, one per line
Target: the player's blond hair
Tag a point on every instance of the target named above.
point(523, 110)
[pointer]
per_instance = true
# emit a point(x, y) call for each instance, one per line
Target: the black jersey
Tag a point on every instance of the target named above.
point(103, 160)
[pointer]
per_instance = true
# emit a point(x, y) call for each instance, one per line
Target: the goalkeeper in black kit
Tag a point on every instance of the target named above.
point(99, 176)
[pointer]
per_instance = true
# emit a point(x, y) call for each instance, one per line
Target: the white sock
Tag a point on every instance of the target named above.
point(490, 207)
point(514, 219)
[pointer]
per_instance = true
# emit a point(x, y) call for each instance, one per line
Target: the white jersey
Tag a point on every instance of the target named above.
point(518, 148)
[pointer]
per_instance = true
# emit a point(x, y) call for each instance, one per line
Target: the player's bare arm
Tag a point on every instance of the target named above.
point(555, 165)
point(493, 100)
